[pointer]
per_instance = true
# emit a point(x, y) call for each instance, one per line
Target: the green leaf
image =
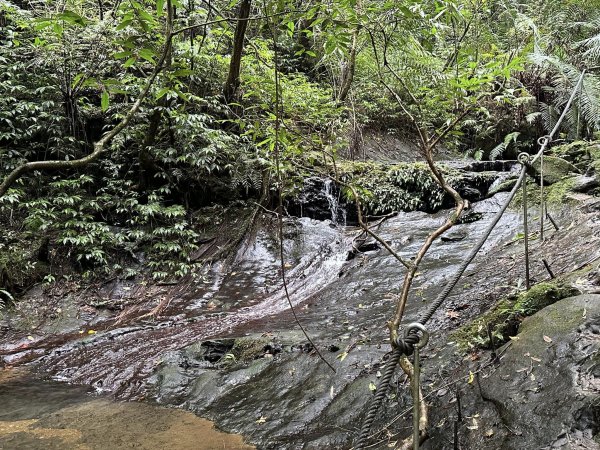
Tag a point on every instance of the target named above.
point(160, 5)
point(145, 16)
point(129, 62)
point(147, 54)
point(183, 73)
point(77, 79)
point(104, 101)
point(72, 18)
point(124, 24)
point(58, 29)
point(162, 93)
point(121, 55)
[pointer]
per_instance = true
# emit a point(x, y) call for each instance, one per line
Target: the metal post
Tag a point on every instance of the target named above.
point(524, 159)
point(416, 397)
point(542, 196)
point(554, 224)
point(526, 232)
point(543, 143)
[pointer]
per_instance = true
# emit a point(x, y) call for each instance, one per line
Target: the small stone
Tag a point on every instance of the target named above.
point(584, 183)
point(454, 236)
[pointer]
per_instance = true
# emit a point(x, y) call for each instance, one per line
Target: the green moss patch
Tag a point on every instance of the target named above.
point(556, 194)
point(504, 318)
point(579, 153)
point(249, 348)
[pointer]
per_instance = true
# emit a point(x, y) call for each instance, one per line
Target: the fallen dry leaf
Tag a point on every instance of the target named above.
point(547, 339)
point(475, 426)
point(452, 314)
point(471, 377)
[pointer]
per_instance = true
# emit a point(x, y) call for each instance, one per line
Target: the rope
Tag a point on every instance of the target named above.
point(405, 345)
point(388, 372)
point(463, 266)
point(526, 226)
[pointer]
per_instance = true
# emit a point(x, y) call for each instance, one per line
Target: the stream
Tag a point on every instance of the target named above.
point(170, 344)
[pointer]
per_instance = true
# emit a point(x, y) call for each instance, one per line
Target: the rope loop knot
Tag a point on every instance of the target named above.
point(544, 140)
point(411, 338)
point(524, 158)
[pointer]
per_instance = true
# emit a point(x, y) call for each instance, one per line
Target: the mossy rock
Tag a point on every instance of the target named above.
point(505, 186)
point(574, 152)
point(556, 194)
point(504, 318)
point(249, 348)
point(579, 153)
point(555, 169)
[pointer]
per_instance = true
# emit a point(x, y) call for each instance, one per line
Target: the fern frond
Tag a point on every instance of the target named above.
point(497, 151)
point(531, 118)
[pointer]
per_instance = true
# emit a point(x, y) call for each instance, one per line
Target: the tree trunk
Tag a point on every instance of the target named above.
point(347, 75)
point(233, 79)
point(348, 70)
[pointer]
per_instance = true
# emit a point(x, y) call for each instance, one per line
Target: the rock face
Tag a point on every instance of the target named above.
point(555, 169)
point(321, 199)
point(584, 183)
point(546, 389)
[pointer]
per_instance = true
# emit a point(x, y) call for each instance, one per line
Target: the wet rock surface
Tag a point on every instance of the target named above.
point(228, 347)
point(584, 183)
point(546, 388)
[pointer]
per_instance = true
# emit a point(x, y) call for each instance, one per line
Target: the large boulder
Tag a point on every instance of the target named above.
point(546, 389)
point(555, 169)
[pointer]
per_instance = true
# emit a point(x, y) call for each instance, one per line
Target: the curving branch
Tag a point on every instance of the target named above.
point(99, 146)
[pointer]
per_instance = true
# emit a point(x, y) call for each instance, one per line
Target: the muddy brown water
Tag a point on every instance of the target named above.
point(46, 415)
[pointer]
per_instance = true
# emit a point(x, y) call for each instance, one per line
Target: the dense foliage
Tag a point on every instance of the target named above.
point(230, 104)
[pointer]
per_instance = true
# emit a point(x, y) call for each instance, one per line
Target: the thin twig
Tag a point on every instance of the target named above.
point(278, 109)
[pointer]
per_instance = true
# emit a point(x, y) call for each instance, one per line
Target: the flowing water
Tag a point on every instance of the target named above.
point(342, 297)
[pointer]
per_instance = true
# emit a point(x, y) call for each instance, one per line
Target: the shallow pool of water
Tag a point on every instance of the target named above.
point(48, 415)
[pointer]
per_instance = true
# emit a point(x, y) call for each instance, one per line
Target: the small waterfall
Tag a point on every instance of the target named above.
point(338, 214)
point(504, 176)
